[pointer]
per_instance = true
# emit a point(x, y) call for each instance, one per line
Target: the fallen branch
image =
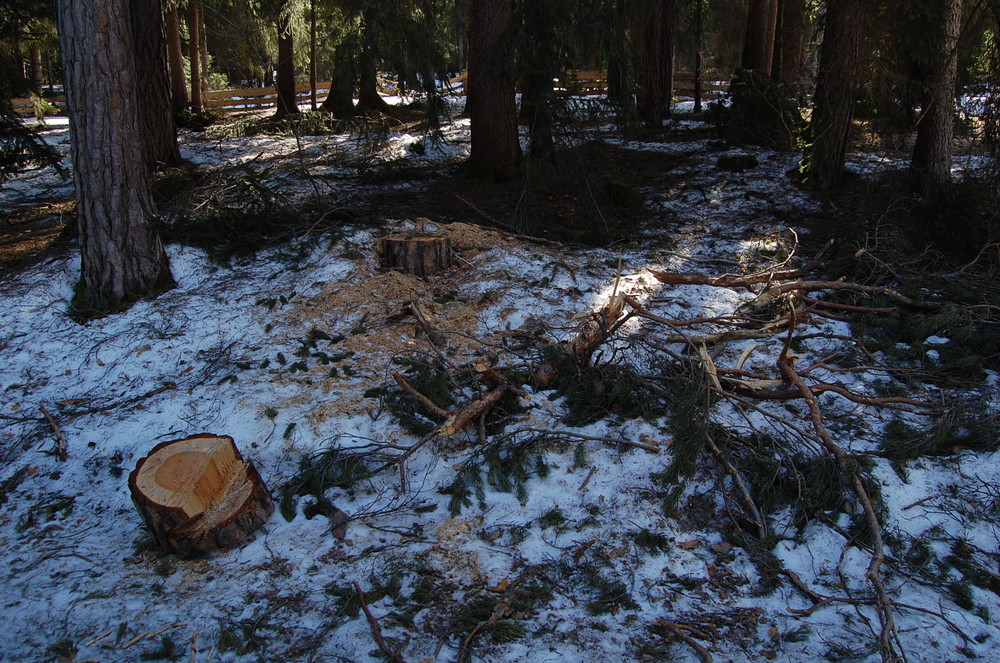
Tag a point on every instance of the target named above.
point(151, 634)
point(678, 631)
point(741, 280)
point(459, 419)
point(499, 612)
point(783, 289)
point(597, 329)
point(392, 656)
point(427, 403)
point(889, 637)
point(60, 440)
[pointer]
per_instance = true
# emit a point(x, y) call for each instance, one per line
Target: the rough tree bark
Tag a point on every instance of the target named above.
point(37, 79)
point(758, 44)
point(194, 52)
point(198, 495)
point(653, 29)
point(287, 102)
point(540, 67)
point(368, 96)
point(836, 90)
point(930, 164)
point(155, 118)
point(340, 100)
point(122, 256)
point(492, 108)
point(787, 61)
point(175, 60)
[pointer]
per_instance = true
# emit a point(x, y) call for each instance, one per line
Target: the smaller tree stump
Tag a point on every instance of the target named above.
point(197, 494)
point(420, 256)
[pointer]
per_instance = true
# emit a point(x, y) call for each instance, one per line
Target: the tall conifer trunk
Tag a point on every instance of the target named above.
point(122, 257)
point(175, 61)
point(492, 107)
point(836, 90)
point(287, 101)
point(930, 165)
point(194, 48)
point(152, 79)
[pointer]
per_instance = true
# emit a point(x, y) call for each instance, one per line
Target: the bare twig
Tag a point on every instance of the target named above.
point(60, 440)
point(678, 631)
point(889, 637)
point(499, 612)
point(151, 634)
point(394, 657)
point(428, 404)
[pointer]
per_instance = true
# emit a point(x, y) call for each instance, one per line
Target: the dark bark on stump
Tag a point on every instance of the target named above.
point(198, 495)
point(420, 256)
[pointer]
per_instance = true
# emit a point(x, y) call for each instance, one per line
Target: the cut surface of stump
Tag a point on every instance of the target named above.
point(420, 256)
point(197, 494)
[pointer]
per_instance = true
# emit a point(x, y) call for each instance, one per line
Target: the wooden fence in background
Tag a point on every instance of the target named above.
point(580, 81)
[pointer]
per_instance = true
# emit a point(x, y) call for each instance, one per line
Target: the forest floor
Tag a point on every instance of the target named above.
point(712, 445)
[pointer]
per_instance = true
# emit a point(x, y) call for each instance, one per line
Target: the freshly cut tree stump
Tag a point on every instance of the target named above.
point(198, 494)
point(420, 256)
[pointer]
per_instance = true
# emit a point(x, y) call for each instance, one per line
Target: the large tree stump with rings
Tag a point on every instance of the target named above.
point(197, 494)
point(420, 256)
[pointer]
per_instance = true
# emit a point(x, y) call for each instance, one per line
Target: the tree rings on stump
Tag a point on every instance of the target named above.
point(420, 256)
point(197, 494)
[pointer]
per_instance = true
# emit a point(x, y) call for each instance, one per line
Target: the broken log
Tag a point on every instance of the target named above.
point(420, 256)
point(197, 494)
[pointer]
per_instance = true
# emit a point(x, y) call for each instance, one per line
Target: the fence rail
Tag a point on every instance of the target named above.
point(593, 82)
point(578, 81)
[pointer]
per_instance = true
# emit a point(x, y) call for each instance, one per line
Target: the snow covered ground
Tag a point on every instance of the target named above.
point(581, 562)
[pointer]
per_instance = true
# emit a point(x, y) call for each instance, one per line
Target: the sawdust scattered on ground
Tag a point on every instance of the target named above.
point(369, 308)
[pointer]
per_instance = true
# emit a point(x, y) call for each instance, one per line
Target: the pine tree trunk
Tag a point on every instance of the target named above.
point(930, 165)
point(122, 257)
point(194, 48)
point(287, 102)
point(37, 79)
point(758, 44)
point(340, 100)
point(492, 107)
point(368, 97)
point(175, 61)
point(312, 54)
point(836, 90)
point(155, 119)
point(788, 41)
point(653, 31)
point(539, 65)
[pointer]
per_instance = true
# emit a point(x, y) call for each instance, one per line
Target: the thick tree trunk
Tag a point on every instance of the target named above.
point(37, 79)
point(155, 118)
point(122, 257)
point(930, 165)
point(194, 52)
point(788, 41)
point(287, 102)
point(492, 107)
point(368, 97)
point(175, 62)
point(340, 100)
point(653, 31)
point(758, 44)
point(197, 495)
point(540, 67)
point(836, 90)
